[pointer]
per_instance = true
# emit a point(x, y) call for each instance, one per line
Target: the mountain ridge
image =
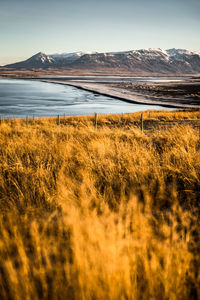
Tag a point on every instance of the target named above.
point(152, 60)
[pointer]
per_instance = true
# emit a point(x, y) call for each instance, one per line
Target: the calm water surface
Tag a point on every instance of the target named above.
point(21, 98)
point(113, 79)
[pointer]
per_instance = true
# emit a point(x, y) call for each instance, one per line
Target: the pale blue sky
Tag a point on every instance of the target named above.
point(30, 26)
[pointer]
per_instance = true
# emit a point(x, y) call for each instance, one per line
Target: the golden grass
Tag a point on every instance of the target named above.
point(106, 213)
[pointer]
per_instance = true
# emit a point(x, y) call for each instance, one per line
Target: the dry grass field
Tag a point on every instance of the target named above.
point(102, 213)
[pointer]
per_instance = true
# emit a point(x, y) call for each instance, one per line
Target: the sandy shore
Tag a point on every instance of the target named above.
point(126, 94)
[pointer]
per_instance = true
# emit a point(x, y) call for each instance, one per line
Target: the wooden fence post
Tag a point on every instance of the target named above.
point(175, 115)
point(122, 118)
point(26, 121)
point(141, 122)
point(58, 120)
point(95, 120)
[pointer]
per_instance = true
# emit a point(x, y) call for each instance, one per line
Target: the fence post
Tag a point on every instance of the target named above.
point(95, 120)
point(141, 122)
point(175, 115)
point(58, 120)
point(26, 121)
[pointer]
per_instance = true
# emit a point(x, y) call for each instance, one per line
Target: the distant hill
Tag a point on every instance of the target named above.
point(148, 61)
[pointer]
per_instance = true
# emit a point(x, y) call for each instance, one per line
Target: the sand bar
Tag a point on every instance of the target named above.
point(124, 94)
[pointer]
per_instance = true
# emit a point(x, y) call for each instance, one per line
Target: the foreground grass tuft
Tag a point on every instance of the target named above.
point(100, 213)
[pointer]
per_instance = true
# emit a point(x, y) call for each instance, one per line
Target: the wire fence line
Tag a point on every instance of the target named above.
point(141, 122)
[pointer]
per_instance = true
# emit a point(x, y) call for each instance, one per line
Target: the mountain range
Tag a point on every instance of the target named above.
point(144, 61)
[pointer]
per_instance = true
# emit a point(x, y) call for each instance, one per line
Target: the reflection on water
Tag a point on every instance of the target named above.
point(21, 98)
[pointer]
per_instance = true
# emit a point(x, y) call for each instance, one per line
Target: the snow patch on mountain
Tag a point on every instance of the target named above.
point(41, 57)
point(177, 52)
point(69, 56)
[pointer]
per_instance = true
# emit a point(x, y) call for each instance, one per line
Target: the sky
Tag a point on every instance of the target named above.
point(56, 26)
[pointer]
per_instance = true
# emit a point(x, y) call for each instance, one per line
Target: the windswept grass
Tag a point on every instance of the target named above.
point(106, 213)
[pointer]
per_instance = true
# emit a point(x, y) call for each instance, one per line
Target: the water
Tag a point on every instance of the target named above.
point(20, 98)
point(114, 79)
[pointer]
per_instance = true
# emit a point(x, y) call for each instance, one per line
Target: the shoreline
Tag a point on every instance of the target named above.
point(121, 94)
point(124, 93)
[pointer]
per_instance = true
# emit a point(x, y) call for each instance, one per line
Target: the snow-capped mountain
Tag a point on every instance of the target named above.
point(64, 59)
point(143, 61)
point(42, 60)
point(38, 60)
point(70, 56)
